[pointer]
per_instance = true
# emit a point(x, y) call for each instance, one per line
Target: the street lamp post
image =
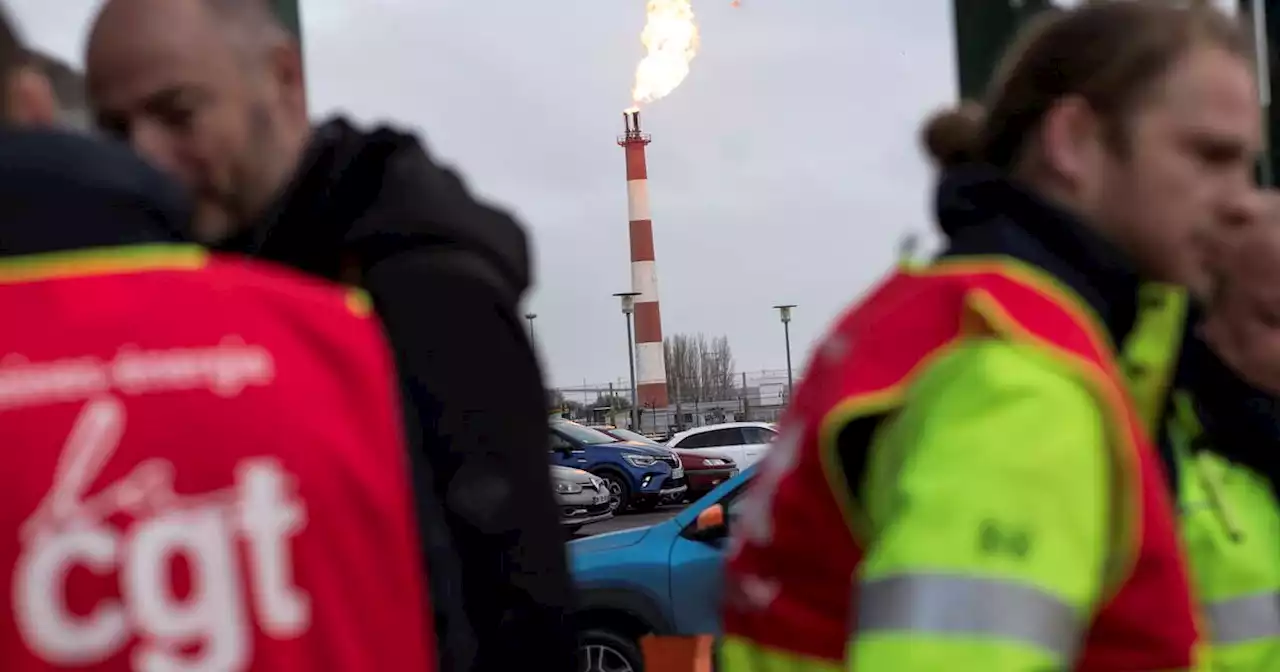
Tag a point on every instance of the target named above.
point(784, 312)
point(629, 309)
point(530, 317)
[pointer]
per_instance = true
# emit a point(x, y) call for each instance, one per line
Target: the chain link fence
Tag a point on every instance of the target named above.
point(757, 396)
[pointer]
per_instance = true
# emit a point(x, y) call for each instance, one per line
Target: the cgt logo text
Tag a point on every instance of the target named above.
point(210, 628)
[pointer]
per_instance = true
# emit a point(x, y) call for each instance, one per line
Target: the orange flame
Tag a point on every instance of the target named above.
point(670, 38)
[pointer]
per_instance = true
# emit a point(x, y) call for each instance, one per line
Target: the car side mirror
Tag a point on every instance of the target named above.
point(710, 524)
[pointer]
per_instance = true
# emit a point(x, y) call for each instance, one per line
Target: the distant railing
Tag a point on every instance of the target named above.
point(758, 396)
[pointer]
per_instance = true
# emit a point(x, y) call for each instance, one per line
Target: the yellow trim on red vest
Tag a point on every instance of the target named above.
point(1127, 485)
point(102, 261)
point(359, 302)
point(841, 416)
point(1037, 279)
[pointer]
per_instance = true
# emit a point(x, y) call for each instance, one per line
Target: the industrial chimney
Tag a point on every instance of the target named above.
point(651, 369)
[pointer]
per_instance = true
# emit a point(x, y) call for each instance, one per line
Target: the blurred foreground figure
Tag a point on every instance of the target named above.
point(964, 445)
point(212, 91)
point(204, 466)
point(1223, 443)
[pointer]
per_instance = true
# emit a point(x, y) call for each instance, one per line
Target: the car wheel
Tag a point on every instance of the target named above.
point(604, 651)
point(619, 491)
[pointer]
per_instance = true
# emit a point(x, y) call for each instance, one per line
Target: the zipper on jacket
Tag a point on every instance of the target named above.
point(1217, 504)
point(1188, 439)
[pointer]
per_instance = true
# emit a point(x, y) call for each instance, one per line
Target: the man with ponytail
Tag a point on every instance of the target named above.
point(965, 480)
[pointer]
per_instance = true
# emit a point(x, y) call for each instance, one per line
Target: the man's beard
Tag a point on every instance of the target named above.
point(212, 223)
point(223, 213)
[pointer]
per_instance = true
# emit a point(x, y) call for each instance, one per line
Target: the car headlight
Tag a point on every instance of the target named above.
point(713, 462)
point(640, 460)
point(567, 488)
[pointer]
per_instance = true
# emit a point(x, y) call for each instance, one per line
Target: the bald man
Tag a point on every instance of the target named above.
point(1244, 324)
point(211, 91)
point(203, 460)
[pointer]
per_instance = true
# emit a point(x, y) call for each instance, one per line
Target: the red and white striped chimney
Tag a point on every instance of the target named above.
point(651, 369)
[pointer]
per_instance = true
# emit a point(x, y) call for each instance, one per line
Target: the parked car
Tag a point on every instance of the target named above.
point(745, 442)
point(663, 580)
point(583, 498)
point(639, 475)
point(624, 434)
point(704, 469)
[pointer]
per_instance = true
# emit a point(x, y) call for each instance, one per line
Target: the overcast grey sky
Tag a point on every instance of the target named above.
point(783, 170)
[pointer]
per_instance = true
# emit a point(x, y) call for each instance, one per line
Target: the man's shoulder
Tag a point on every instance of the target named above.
point(282, 287)
point(421, 209)
point(61, 190)
point(433, 267)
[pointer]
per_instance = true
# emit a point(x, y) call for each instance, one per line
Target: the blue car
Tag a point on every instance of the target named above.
point(664, 579)
point(639, 476)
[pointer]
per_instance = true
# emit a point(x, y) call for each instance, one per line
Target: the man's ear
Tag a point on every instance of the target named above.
point(32, 102)
point(287, 70)
point(1070, 139)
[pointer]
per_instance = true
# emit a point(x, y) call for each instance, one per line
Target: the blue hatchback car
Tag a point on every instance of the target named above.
point(639, 475)
point(664, 579)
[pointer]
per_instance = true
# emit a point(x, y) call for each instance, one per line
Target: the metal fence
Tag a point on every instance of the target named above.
point(754, 396)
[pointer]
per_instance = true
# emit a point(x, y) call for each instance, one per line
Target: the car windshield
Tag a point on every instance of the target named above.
point(582, 434)
point(628, 435)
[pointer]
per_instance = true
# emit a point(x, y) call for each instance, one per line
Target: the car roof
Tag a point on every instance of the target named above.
point(723, 425)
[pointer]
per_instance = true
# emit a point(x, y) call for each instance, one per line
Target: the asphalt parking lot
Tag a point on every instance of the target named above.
point(629, 520)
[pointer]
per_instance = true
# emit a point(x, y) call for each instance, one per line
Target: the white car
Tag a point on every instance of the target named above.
point(583, 498)
point(745, 442)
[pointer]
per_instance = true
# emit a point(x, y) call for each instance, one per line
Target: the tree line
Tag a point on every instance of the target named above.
point(699, 369)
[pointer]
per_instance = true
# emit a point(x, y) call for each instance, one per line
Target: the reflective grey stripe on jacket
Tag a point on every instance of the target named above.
point(965, 606)
point(1244, 619)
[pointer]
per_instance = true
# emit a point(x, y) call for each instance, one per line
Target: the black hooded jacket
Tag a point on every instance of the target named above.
point(446, 274)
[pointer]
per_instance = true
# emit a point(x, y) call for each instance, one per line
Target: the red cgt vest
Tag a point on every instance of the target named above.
point(204, 469)
point(862, 371)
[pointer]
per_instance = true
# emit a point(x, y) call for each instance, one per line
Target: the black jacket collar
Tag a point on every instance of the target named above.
point(1240, 422)
point(366, 195)
point(983, 212)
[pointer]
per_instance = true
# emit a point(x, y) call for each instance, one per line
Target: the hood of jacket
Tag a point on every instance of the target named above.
point(375, 194)
point(62, 191)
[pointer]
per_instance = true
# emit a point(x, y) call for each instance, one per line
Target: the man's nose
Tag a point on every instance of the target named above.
point(1243, 210)
point(1243, 207)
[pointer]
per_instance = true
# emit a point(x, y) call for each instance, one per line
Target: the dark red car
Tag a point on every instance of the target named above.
point(703, 469)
